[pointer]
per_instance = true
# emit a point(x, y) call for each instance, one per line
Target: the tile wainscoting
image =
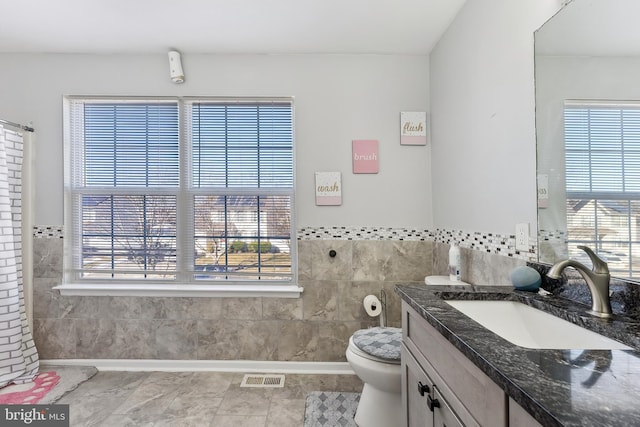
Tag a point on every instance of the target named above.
point(315, 327)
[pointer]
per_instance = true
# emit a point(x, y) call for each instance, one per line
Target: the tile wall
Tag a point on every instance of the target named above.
point(315, 327)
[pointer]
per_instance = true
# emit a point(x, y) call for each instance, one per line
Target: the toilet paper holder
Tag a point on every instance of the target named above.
point(371, 303)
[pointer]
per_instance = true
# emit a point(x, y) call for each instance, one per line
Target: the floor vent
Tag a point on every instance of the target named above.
point(259, 380)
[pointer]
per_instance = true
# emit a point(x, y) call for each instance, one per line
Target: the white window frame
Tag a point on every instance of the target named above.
point(72, 285)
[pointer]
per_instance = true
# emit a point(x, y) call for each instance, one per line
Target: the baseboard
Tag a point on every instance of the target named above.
point(334, 368)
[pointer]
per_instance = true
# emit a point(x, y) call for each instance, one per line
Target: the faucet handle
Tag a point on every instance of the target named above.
point(599, 265)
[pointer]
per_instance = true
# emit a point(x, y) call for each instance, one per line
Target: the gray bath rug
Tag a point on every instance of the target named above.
point(330, 409)
point(70, 378)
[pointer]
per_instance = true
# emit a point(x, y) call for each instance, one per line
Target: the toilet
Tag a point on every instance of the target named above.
point(374, 355)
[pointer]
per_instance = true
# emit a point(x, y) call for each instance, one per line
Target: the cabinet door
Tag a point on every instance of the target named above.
point(475, 398)
point(443, 415)
point(519, 417)
point(416, 387)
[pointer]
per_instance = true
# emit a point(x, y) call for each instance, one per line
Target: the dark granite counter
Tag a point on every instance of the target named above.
point(557, 387)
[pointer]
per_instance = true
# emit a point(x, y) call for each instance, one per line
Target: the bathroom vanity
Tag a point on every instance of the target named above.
point(437, 379)
point(457, 372)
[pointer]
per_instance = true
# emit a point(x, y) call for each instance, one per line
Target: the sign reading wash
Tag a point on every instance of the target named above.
point(365, 156)
point(328, 189)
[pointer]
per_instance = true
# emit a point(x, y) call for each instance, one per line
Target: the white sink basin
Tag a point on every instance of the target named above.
point(529, 327)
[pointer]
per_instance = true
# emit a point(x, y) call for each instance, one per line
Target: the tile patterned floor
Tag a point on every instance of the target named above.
point(213, 399)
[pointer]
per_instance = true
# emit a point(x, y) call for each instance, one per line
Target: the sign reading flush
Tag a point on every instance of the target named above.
point(413, 128)
point(365, 156)
point(328, 189)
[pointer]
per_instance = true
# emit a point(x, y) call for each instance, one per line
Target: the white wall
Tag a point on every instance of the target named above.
point(337, 99)
point(483, 126)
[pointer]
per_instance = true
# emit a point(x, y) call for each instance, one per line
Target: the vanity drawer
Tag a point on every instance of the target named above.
point(464, 385)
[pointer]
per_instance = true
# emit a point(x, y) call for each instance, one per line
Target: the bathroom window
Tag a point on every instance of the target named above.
point(179, 192)
point(602, 158)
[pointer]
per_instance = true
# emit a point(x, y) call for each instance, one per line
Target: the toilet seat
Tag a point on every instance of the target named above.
point(377, 344)
point(355, 350)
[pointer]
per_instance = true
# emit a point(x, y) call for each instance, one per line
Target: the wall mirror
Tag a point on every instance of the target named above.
point(587, 75)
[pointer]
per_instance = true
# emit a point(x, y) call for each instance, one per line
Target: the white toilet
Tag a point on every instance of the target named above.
point(374, 355)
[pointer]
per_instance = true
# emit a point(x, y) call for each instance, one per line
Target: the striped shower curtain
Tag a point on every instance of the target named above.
point(19, 361)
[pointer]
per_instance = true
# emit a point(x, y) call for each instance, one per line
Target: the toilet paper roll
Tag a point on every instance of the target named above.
point(372, 305)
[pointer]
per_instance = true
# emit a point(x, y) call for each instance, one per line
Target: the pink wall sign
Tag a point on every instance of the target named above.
point(365, 156)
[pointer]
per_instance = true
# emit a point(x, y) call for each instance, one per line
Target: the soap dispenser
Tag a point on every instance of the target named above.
point(454, 263)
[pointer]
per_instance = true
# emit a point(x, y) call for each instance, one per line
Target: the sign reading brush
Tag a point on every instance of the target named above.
point(365, 156)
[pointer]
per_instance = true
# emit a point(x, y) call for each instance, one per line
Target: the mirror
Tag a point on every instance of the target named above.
point(589, 52)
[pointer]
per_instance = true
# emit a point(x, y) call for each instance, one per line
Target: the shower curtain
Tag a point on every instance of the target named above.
point(19, 361)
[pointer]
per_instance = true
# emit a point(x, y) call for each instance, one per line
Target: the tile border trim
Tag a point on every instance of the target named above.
point(48, 232)
point(499, 244)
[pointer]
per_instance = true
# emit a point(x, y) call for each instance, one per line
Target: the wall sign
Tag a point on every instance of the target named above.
point(328, 189)
point(413, 128)
point(365, 155)
point(543, 191)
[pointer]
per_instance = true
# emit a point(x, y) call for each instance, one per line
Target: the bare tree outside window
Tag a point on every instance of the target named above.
point(131, 232)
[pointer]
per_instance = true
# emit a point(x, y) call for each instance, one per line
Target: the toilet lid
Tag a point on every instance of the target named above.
point(383, 343)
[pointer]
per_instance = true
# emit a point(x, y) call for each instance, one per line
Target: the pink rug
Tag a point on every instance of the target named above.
point(29, 393)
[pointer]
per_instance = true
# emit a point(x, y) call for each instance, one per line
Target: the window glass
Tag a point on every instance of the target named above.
point(186, 191)
point(602, 157)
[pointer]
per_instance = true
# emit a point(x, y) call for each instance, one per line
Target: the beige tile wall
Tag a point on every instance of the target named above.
point(315, 327)
point(479, 267)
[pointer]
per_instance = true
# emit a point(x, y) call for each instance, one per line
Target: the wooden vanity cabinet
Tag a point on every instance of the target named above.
point(441, 387)
point(519, 417)
point(464, 394)
point(425, 406)
point(416, 387)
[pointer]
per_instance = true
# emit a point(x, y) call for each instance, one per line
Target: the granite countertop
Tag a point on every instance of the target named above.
point(557, 387)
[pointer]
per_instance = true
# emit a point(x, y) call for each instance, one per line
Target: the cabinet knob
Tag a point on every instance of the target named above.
point(423, 388)
point(332, 253)
point(432, 403)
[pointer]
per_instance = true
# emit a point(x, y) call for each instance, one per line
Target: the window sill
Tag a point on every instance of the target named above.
point(222, 291)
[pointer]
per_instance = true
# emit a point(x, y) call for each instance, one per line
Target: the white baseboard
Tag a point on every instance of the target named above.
point(248, 366)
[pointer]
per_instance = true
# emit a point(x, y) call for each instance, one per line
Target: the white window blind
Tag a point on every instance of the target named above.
point(180, 191)
point(603, 149)
point(602, 159)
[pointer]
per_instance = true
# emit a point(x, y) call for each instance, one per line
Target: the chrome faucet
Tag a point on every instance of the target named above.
point(597, 279)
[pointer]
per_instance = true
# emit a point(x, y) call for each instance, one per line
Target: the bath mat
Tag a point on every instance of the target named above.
point(29, 393)
point(330, 409)
point(50, 384)
point(70, 378)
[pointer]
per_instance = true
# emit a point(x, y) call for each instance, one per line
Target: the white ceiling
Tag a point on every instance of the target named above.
point(225, 26)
